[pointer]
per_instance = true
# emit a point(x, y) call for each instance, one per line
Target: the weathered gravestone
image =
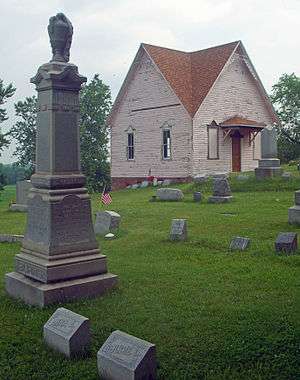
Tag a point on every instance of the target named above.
point(239, 243)
point(178, 229)
point(221, 191)
point(22, 191)
point(286, 242)
point(269, 164)
point(294, 212)
point(168, 194)
point(5, 238)
point(125, 357)
point(197, 196)
point(59, 259)
point(67, 332)
point(200, 179)
point(106, 221)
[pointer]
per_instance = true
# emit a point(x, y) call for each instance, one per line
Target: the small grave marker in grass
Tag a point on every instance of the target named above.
point(178, 229)
point(239, 243)
point(286, 242)
point(126, 357)
point(67, 332)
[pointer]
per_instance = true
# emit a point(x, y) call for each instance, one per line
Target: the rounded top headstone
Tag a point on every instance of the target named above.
point(60, 32)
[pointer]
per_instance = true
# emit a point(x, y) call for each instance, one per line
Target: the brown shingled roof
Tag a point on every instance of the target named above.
point(191, 75)
point(240, 121)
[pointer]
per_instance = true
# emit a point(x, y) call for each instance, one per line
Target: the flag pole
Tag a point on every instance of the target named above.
point(102, 195)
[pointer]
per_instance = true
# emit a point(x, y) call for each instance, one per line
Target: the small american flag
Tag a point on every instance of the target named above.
point(106, 198)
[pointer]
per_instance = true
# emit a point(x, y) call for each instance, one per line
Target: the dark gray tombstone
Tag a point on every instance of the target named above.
point(197, 196)
point(286, 242)
point(178, 229)
point(59, 259)
point(221, 191)
point(125, 357)
point(239, 243)
point(67, 332)
point(269, 164)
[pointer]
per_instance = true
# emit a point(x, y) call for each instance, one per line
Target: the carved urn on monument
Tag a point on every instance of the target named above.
point(59, 259)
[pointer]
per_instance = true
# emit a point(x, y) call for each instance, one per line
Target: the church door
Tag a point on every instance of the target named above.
point(236, 152)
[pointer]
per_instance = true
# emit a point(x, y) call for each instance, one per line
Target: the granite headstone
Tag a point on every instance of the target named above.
point(167, 194)
point(286, 242)
point(67, 332)
point(106, 221)
point(294, 212)
point(178, 229)
point(197, 196)
point(125, 357)
point(22, 192)
point(221, 191)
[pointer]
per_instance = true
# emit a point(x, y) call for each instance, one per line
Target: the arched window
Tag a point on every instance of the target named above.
point(213, 141)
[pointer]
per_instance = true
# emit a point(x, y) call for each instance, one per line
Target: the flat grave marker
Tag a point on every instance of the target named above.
point(239, 243)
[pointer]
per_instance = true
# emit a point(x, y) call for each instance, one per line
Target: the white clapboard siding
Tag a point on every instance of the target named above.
point(234, 93)
point(147, 89)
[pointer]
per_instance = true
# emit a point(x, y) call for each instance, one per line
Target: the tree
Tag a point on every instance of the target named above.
point(286, 99)
point(6, 92)
point(95, 104)
point(24, 132)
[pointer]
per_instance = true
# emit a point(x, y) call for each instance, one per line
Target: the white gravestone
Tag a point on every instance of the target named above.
point(106, 221)
point(67, 332)
point(178, 229)
point(168, 194)
point(125, 357)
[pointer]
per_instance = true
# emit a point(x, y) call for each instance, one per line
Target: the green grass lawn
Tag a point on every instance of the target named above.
point(212, 314)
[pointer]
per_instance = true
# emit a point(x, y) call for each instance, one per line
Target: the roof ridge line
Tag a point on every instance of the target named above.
point(191, 52)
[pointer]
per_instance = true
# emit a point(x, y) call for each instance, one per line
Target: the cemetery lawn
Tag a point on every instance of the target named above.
point(212, 314)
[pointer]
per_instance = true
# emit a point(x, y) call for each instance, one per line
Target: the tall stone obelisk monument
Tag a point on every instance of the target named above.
point(59, 259)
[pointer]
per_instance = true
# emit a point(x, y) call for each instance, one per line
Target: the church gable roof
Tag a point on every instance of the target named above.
point(191, 75)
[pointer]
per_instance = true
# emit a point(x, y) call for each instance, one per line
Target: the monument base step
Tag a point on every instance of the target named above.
point(294, 215)
point(261, 173)
point(18, 207)
point(219, 199)
point(36, 293)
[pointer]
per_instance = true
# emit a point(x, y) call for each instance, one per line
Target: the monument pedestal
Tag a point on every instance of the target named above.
point(38, 294)
point(294, 212)
point(59, 260)
point(268, 167)
point(269, 164)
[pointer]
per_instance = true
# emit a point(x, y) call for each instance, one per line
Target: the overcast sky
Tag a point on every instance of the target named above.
point(107, 34)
